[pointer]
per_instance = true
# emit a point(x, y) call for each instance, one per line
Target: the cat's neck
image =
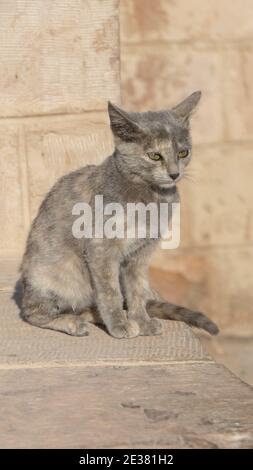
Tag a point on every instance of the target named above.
point(164, 192)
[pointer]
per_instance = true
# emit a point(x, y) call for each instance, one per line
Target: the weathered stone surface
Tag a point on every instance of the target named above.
point(8, 273)
point(233, 352)
point(177, 406)
point(58, 391)
point(35, 153)
point(216, 281)
point(58, 146)
point(11, 190)
point(156, 81)
point(180, 20)
point(169, 49)
point(238, 92)
point(215, 209)
point(213, 269)
point(22, 344)
point(58, 57)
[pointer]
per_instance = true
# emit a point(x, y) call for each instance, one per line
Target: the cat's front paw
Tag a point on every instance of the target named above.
point(151, 327)
point(125, 329)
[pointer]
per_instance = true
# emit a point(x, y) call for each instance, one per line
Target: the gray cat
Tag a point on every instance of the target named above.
point(70, 281)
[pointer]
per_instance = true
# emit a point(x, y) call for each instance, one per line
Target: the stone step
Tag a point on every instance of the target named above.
point(99, 392)
point(23, 345)
point(177, 405)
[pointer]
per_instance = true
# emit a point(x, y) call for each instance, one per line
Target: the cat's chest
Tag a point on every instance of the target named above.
point(130, 246)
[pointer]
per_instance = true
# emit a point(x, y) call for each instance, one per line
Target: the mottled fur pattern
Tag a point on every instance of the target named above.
point(68, 282)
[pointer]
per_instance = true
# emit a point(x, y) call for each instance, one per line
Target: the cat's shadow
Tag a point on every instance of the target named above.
point(17, 294)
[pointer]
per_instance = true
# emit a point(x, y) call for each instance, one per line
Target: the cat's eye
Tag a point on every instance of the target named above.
point(183, 153)
point(154, 156)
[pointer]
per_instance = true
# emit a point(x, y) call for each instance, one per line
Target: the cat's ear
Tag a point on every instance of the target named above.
point(122, 124)
point(184, 109)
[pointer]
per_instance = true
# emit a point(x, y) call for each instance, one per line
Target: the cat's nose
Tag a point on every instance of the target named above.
point(174, 176)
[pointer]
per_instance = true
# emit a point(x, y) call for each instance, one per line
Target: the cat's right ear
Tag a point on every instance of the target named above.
point(184, 110)
point(122, 124)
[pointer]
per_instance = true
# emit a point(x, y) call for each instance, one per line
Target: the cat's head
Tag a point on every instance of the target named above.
point(153, 147)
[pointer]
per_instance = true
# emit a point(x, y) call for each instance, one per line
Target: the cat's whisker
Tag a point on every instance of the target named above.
point(193, 175)
point(193, 171)
point(190, 179)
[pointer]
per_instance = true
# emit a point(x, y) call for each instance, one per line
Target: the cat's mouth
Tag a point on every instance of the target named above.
point(169, 184)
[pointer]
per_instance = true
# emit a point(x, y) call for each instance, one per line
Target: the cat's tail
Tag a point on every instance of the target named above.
point(167, 311)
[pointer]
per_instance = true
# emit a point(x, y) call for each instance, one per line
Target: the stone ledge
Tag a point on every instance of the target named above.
point(59, 391)
point(173, 406)
point(22, 345)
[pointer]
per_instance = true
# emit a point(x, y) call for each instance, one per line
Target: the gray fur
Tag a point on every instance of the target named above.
point(67, 281)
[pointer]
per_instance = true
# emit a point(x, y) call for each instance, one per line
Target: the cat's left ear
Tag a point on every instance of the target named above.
point(184, 109)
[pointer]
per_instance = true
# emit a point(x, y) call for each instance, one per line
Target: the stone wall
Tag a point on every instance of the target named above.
point(170, 48)
point(59, 66)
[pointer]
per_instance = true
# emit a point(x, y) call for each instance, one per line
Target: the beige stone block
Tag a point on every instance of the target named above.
point(181, 20)
point(218, 282)
point(58, 146)
point(9, 266)
point(238, 92)
point(11, 196)
point(152, 80)
point(176, 405)
point(58, 56)
point(217, 205)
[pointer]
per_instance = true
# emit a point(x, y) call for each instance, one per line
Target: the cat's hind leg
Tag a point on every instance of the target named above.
point(49, 311)
point(69, 323)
